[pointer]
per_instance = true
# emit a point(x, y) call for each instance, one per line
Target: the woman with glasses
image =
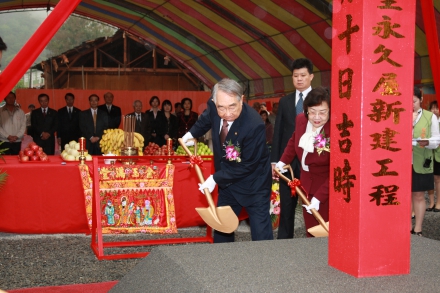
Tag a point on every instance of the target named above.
point(311, 144)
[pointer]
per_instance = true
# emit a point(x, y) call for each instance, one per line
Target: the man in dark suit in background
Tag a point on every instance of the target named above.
point(114, 112)
point(244, 178)
point(142, 122)
point(92, 123)
point(68, 122)
point(290, 106)
point(44, 123)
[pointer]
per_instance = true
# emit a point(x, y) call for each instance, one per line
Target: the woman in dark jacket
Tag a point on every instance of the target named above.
point(157, 122)
point(187, 118)
point(170, 122)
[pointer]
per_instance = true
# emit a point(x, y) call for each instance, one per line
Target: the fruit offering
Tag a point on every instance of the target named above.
point(71, 152)
point(202, 150)
point(113, 140)
point(153, 149)
point(32, 152)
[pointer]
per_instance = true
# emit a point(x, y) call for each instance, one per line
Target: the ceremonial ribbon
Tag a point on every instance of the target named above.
point(293, 184)
point(195, 160)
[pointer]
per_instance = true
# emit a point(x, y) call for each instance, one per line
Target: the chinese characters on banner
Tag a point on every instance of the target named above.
point(372, 82)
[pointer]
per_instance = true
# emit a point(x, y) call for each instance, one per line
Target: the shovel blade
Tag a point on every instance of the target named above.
point(228, 219)
point(318, 231)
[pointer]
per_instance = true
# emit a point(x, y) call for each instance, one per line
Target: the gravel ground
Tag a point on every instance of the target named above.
point(48, 260)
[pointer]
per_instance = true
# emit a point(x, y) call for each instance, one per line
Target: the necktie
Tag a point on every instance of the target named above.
point(109, 108)
point(224, 131)
point(138, 117)
point(94, 120)
point(70, 113)
point(299, 105)
point(44, 112)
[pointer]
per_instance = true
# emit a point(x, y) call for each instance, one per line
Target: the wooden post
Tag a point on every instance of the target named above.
point(370, 169)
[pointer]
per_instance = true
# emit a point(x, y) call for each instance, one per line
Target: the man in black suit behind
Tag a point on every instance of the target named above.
point(44, 123)
point(114, 112)
point(244, 178)
point(68, 122)
point(142, 122)
point(289, 106)
point(93, 128)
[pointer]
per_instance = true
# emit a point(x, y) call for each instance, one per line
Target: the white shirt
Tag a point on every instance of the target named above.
point(12, 123)
point(434, 140)
point(306, 143)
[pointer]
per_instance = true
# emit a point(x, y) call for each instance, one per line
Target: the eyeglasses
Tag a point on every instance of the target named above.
point(321, 113)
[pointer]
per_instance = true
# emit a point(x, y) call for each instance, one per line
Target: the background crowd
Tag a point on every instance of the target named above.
point(50, 128)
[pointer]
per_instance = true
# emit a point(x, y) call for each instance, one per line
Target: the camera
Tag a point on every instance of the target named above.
point(427, 163)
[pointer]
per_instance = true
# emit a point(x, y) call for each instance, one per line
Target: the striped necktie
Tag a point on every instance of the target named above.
point(299, 105)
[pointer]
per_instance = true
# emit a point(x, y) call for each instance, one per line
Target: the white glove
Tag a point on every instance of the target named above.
point(314, 204)
point(187, 137)
point(280, 166)
point(209, 183)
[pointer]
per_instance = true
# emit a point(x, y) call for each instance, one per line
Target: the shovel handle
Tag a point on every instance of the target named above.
point(304, 199)
point(199, 173)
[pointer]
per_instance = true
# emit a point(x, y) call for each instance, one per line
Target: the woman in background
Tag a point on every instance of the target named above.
point(425, 139)
point(433, 207)
point(157, 122)
point(170, 122)
point(187, 118)
point(269, 127)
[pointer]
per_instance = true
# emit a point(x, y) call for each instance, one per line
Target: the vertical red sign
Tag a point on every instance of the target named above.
point(370, 181)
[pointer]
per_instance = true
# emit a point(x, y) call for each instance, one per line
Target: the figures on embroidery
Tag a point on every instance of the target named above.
point(137, 213)
point(148, 212)
point(123, 211)
point(109, 212)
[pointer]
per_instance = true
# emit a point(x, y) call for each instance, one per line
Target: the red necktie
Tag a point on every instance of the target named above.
point(44, 112)
point(224, 131)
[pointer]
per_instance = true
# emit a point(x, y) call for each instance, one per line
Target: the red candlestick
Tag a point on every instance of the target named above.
point(82, 144)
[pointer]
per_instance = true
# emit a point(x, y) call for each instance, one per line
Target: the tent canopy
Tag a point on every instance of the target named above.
point(253, 42)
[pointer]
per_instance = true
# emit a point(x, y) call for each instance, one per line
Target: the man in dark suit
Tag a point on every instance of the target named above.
point(289, 107)
point(92, 123)
point(114, 112)
point(44, 123)
point(142, 122)
point(68, 122)
point(244, 176)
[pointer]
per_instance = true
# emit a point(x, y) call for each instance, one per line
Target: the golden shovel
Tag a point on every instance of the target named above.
point(223, 218)
point(321, 230)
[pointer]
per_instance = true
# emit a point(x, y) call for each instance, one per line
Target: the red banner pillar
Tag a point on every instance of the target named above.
point(370, 170)
point(35, 45)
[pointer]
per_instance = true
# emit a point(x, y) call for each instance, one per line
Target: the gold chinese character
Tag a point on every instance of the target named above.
point(347, 34)
point(343, 180)
point(389, 83)
point(385, 56)
point(385, 191)
point(385, 140)
point(386, 28)
point(382, 111)
point(388, 5)
point(345, 83)
point(384, 169)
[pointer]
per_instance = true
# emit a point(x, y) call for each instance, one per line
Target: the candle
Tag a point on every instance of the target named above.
point(82, 144)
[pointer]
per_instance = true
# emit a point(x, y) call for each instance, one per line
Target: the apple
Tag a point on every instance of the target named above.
point(34, 147)
point(24, 158)
point(20, 153)
point(35, 158)
point(39, 152)
point(29, 152)
point(44, 157)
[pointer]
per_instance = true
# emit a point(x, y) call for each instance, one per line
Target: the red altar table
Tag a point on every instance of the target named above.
point(47, 198)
